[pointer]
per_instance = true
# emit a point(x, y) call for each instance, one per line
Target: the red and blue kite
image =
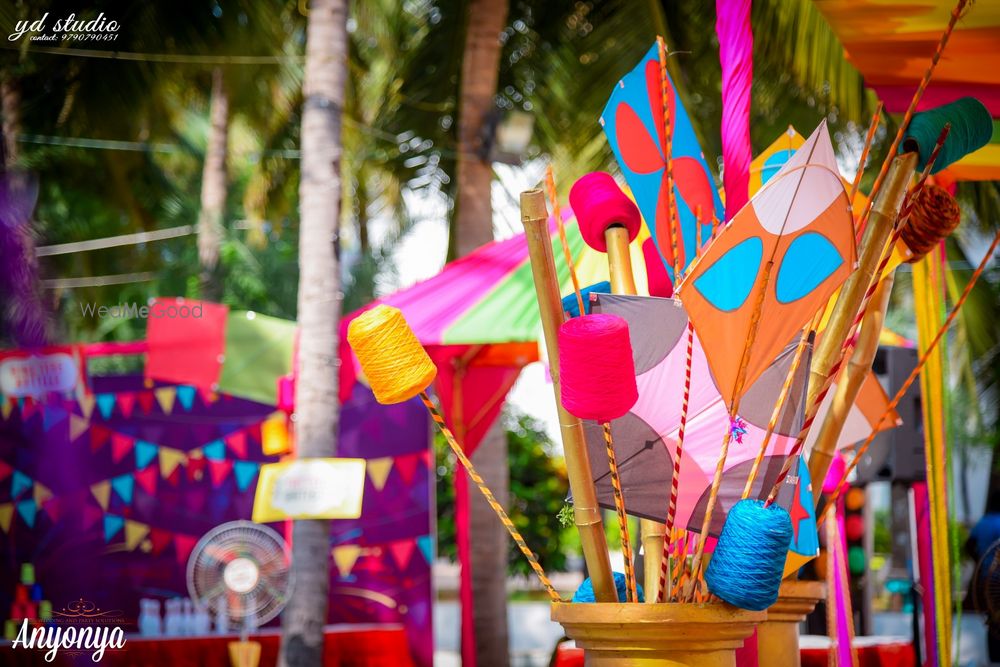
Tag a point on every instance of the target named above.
point(634, 124)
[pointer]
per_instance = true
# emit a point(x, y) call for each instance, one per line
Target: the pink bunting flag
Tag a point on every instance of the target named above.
point(99, 435)
point(126, 403)
point(402, 551)
point(146, 399)
point(237, 442)
point(736, 58)
point(146, 479)
point(406, 466)
point(219, 470)
point(183, 544)
point(121, 446)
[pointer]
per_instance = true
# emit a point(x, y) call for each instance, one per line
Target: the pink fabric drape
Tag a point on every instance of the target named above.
point(922, 509)
point(736, 57)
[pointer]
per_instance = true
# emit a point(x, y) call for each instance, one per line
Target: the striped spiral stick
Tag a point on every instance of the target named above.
point(869, 138)
point(616, 485)
point(550, 186)
point(780, 404)
point(849, 341)
point(668, 134)
point(490, 498)
point(915, 373)
point(917, 95)
point(678, 452)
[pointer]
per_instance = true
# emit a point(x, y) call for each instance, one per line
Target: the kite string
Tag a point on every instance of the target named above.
point(616, 486)
point(490, 498)
point(678, 453)
point(780, 404)
point(849, 341)
point(869, 138)
point(668, 134)
point(917, 95)
point(550, 186)
point(741, 376)
point(860, 451)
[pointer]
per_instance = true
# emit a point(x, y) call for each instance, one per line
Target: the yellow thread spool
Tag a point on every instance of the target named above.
point(396, 364)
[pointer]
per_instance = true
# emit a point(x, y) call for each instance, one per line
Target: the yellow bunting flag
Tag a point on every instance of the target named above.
point(41, 494)
point(6, 405)
point(170, 458)
point(165, 397)
point(378, 471)
point(102, 492)
point(77, 426)
point(274, 435)
point(6, 514)
point(345, 557)
point(135, 533)
point(86, 402)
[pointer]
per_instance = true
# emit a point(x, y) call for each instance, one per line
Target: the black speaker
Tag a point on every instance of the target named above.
point(897, 454)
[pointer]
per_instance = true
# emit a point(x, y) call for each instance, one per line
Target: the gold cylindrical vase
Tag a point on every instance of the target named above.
point(778, 636)
point(664, 635)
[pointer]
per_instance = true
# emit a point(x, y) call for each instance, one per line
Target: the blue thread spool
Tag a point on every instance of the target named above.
point(749, 559)
point(971, 129)
point(585, 593)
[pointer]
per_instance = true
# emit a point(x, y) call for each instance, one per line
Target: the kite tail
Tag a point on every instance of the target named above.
point(735, 56)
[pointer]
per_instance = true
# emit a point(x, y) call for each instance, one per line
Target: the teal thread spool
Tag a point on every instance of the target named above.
point(971, 129)
point(749, 559)
point(585, 593)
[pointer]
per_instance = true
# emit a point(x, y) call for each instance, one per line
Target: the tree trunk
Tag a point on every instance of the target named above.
point(213, 190)
point(316, 406)
point(473, 226)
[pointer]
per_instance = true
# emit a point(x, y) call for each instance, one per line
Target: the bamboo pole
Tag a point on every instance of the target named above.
point(586, 513)
point(856, 371)
point(877, 231)
point(651, 533)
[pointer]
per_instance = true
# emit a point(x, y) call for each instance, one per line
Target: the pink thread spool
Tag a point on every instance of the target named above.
point(596, 367)
point(656, 272)
point(599, 203)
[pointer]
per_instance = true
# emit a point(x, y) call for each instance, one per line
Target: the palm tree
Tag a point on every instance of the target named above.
point(213, 189)
point(318, 315)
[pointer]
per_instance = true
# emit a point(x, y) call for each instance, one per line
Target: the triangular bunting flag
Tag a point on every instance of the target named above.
point(5, 470)
point(378, 471)
point(245, 472)
point(135, 533)
point(121, 445)
point(26, 406)
point(106, 404)
point(41, 494)
point(183, 544)
point(145, 400)
point(124, 485)
point(53, 508)
point(126, 403)
point(237, 442)
point(426, 547)
point(215, 450)
point(407, 466)
point(6, 407)
point(27, 509)
point(6, 514)
point(89, 517)
point(19, 483)
point(345, 557)
point(102, 492)
point(219, 470)
point(207, 395)
point(77, 427)
point(160, 539)
point(170, 458)
point(98, 436)
point(146, 479)
point(52, 416)
point(145, 452)
point(165, 397)
point(185, 394)
point(402, 551)
point(86, 402)
point(112, 525)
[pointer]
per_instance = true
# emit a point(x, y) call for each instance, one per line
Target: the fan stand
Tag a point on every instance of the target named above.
point(244, 653)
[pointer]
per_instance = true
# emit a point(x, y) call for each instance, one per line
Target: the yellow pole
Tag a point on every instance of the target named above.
point(623, 282)
point(586, 513)
point(880, 224)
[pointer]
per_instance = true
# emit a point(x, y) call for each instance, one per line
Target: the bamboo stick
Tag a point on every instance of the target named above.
point(586, 513)
point(877, 231)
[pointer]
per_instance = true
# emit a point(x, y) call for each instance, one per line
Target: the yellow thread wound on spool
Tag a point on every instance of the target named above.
point(394, 361)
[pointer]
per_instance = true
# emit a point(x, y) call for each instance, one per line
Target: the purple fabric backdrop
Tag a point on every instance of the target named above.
point(79, 549)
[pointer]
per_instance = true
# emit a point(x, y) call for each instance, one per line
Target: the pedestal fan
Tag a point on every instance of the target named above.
point(241, 570)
